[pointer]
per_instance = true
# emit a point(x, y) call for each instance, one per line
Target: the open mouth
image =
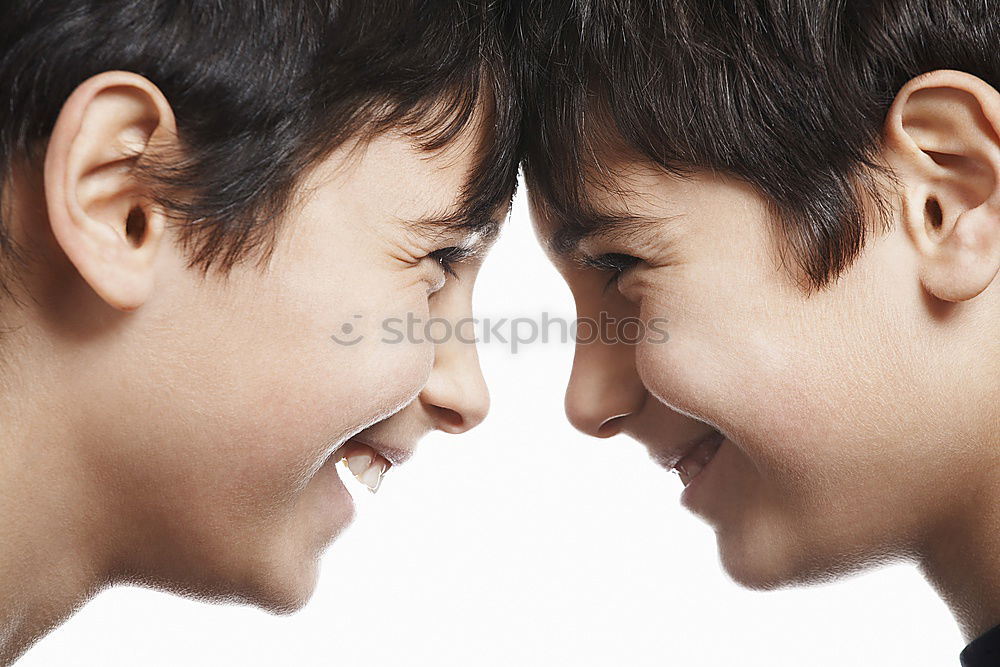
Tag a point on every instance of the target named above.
point(369, 459)
point(366, 464)
point(698, 456)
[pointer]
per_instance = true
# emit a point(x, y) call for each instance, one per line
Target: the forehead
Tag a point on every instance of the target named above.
point(614, 199)
point(394, 176)
point(405, 177)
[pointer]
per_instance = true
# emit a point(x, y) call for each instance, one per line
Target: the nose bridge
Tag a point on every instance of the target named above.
point(604, 386)
point(455, 394)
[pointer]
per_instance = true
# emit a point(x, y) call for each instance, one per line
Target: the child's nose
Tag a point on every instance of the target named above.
point(456, 394)
point(604, 388)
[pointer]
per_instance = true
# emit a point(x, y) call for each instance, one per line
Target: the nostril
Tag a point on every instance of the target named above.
point(610, 427)
point(448, 419)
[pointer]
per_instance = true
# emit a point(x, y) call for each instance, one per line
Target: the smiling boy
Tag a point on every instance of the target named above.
point(195, 198)
point(808, 191)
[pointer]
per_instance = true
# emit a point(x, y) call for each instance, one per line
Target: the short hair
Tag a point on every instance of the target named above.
point(789, 96)
point(262, 90)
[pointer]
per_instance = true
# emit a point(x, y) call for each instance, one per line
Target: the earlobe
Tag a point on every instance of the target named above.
point(942, 137)
point(98, 209)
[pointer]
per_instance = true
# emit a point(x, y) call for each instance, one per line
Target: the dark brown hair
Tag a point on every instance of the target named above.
point(261, 91)
point(789, 96)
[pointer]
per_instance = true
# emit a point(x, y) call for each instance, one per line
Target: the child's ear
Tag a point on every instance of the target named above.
point(943, 135)
point(98, 210)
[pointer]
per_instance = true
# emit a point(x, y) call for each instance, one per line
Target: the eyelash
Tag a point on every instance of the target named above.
point(616, 262)
point(449, 257)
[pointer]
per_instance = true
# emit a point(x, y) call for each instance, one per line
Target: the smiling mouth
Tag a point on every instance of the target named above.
point(368, 462)
point(367, 465)
point(695, 461)
point(689, 460)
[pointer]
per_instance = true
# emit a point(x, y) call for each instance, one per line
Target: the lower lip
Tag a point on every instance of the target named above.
point(697, 488)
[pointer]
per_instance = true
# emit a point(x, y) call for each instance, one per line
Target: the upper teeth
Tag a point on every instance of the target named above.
point(365, 464)
point(695, 461)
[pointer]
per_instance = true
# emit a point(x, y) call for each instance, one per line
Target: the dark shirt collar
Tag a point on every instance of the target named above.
point(983, 651)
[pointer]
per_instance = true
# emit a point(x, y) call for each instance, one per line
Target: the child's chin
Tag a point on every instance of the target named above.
point(752, 574)
point(763, 566)
point(285, 593)
point(758, 564)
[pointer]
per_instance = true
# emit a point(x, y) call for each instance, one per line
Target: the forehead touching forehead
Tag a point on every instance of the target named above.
point(604, 188)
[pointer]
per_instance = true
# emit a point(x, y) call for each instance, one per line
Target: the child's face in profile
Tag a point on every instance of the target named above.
point(215, 467)
point(846, 423)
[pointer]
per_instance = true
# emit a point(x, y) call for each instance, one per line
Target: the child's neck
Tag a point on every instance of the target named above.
point(962, 560)
point(51, 552)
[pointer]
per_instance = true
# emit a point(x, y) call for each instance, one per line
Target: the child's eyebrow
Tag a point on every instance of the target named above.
point(484, 228)
point(566, 241)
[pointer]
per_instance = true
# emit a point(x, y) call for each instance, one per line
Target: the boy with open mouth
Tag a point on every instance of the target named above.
point(208, 211)
point(808, 192)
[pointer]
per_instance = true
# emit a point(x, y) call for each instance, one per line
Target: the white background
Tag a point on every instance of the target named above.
point(524, 542)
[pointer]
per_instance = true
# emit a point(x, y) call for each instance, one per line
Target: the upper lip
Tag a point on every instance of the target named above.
point(669, 457)
point(397, 455)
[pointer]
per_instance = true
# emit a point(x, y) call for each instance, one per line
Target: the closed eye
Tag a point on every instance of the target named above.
point(449, 257)
point(616, 263)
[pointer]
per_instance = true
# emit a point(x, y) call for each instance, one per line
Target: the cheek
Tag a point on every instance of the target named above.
point(337, 367)
point(817, 444)
point(715, 365)
point(765, 381)
point(765, 375)
point(251, 392)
